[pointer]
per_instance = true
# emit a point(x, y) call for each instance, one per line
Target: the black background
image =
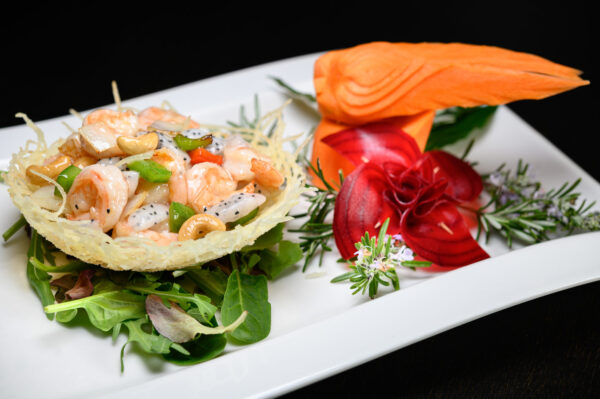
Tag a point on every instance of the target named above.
point(64, 56)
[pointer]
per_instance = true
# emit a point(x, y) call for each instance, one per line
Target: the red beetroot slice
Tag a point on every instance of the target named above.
point(464, 183)
point(441, 236)
point(378, 142)
point(361, 206)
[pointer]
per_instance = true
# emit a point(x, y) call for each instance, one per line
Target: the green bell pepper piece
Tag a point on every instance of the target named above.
point(150, 170)
point(244, 219)
point(189, 144)
point(178, 214)
point(66, 178)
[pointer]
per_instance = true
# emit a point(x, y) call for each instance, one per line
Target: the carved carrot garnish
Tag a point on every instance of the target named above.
point(379, 80)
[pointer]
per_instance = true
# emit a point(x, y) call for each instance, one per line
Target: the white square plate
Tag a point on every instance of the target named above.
point(314, 322)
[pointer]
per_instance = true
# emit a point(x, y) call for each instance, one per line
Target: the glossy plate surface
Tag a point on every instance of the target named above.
point(315, 323)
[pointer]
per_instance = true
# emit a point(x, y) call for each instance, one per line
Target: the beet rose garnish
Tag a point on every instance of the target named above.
point(419, 192)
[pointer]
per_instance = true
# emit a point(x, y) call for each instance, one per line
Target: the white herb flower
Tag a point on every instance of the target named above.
point(403, 254)
point(362, 253)
point(397, 238)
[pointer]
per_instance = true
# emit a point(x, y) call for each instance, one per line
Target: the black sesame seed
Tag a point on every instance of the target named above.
point(151, 206)
point(108, 210)
point(217, 213)
point(76, 206)
point(237, 212)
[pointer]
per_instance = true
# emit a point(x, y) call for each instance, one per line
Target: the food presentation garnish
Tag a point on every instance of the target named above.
point(151, 221)
point(103, 194)
point(387, 111)
point(149, 224)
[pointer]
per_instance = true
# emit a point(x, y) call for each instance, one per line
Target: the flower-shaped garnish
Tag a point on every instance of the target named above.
point(419, 192)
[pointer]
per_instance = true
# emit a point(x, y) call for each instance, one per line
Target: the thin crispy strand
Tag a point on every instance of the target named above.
point(89, 244)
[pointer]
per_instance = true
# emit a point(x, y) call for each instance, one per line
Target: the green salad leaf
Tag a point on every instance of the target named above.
point(39, 279)
point(203, 348)
point(105, 310)
point(247, 293)
point(267, 240)
point(454, 124)
point(211, 281)
point(174, 292)
point(274, 262)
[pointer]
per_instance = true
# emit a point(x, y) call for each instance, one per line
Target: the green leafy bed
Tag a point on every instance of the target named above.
point(234, 287)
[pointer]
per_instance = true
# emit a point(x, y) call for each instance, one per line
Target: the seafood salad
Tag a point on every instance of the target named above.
point(158, 177)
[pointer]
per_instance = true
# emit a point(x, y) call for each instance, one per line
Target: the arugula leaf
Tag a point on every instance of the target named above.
point(149, 342)
point(39, 279)
point(461, 122)
point(173, 292)
point(212, 282)
point(71, 267)
point(273, 263)
point(66, 316)
point(247, 293)
point(203, 348)
point(18, 225)
point(267, 240)
point(105, 310)
point(106, 285)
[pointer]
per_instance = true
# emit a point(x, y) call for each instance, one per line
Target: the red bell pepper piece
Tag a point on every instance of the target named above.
point(201, 155)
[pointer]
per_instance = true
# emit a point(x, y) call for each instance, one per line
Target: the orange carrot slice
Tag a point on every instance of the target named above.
point(379, 80)
point(418, 126)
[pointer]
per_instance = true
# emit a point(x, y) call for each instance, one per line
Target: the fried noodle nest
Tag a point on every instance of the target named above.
point(91, 245)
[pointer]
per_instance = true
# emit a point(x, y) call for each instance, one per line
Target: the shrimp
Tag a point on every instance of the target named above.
point(176, 163)
point(265, 174)
point(99, 193)
point(153, 114)
point(101, 128)
point(207, 184)
point(244, 163)
point(72, 147)
point(124, 229)
point(121, 123)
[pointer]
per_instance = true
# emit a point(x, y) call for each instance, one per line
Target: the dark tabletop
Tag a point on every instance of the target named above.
point(65, 57)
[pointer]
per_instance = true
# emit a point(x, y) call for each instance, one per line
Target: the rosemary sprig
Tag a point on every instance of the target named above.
point(316, 232)
point(305, 97)
point(246, 122)
point(520, 209)
point(376, 262)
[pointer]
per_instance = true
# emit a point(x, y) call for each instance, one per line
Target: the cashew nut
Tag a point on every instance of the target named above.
point(84, 161)
point(51, 170)
point(200, 225)
point(138, 145)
